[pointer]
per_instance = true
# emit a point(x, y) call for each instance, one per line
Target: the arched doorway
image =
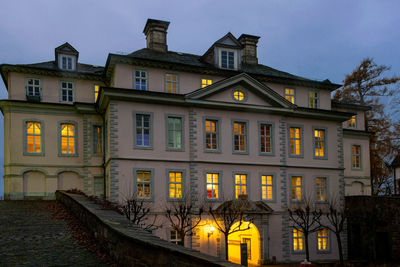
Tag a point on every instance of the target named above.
point(69, 180)
point(357, 188)
point(34, 184)
point(251, 237)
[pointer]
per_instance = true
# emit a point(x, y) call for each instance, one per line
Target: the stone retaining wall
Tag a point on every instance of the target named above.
point(130, 245)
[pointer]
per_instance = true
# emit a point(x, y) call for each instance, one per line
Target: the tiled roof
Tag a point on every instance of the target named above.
point(51, 65)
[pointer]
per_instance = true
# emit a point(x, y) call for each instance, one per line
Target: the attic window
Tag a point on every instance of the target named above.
point(227, 59)
point(239, 95)
point(66, 62)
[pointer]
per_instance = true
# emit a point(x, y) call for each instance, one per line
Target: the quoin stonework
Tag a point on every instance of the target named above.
point(162, 126)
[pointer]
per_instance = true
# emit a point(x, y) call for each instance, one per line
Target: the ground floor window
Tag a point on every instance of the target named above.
point(322, 235)
point(174, 237)
point(298, 240)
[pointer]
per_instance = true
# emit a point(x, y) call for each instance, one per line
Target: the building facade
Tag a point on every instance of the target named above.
point(163, 126)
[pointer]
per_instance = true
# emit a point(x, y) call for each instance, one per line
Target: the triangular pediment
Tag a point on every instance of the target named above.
point(256, 93)
point(66, 48)
point(229, 40)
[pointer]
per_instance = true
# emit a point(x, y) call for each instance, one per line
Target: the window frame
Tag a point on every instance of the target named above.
point(177, 82)
point(206, 79)
point(176, 241)
point(39, 86)
point(325, 143)
point(317, 98)
point(183, 184)
point(328, 237)
point(240, 89)
point(359, 155)
point(218, 128)
point(102, 140)
point(235, 58)
point(326, 187)
point(182, 117)
point(294, 94)
point(246, 139)
point(96, 93)
point(146, 79)
point(220, 181)
point(234, 173)
point(355, 122)
point(274, 197)
point(25, 141)
point(303, 251)
point(151, 170)
point(73, 62)
point(72, 89)
point(60, 154)
point(150, 146)
point(291, 187)
point(272, 124)
point(301, 155)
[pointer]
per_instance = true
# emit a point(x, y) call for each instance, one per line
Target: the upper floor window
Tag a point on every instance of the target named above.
point(175, 181)
point(68, 138)
point(297, 188)
point(171, 83)
point(298, 240)
point(174, 237)
point(143, 130)
point(267, 187)
point(322, 235)
point(239, 95)
point(97, 140)
point(33, 87)
point(212, 185)
point(319, 143)
point(295, 141)
point(240, 184)
point(227, 59)
point(67, 92)
point(313, 99)
point(290, 95)
point(265, 138)
point(211, 135)
point(67, 62)
point(320, 188)
point(174, 133)
point(352, 123)
point(140, 80)
point(205, 82)
point(96, 92)
point(143, 184)
point(33, 137)
point(239, 136)
point(356, 156)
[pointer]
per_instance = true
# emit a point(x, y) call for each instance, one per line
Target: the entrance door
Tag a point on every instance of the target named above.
point(251, 237)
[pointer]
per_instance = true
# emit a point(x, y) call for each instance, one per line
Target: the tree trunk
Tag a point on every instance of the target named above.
point(226, 246)
point(339, 242)
point(307, 252)
point(182, 237)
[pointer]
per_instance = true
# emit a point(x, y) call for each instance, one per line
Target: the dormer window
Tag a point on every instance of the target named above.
point(227, 59)
point(66, 62)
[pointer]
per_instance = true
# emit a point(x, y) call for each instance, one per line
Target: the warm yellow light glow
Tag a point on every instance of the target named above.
point(251, 237)
point(67, 139)
point(33, 138)
point(289, 95)
point(205, 82)
point(238, 95)
point(212, 229)
point(96, 92)
point(352, 121)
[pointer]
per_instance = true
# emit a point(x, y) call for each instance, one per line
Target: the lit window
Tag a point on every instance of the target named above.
point(352, 122)
point(227, 59)
point(143, 130)
point(212, 185)
point(319, 143)
point(97, 140)
point(295, 141)
point(96, 92)
point(143, 184)
point(140, 80)
point(321, 188)
point(171, 83)
point(67, 92)
point(289, 95)
point(265, 138)
point(211, 132)
point(67, 138)
point(297, 185)
point(266, 187)
point(323, 243)
point(33, 87)
point(240, 184)
point(174, 237)
point(175, 184)
point(298, 240)
point(239, 95)
point(313, 99)
point(33, 137)
point(355, 156)
point(205, 82)
point(174, 133)
point(239, 136)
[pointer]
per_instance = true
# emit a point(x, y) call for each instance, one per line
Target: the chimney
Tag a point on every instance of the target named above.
point(249, 51)
point(156, 34)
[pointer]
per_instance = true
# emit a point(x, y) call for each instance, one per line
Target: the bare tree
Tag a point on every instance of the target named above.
point(183, 218)
point(138, 213)
point(305, 218)
point(336, 216)
point(226, 215)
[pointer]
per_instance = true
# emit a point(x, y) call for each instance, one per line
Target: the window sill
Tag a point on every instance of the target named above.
point(217, 151)
point(266, 154)
point(175, 149)
point(240, 152)
point(67, 155)
point(34, 154)
point(296, 156)
point(143, 147)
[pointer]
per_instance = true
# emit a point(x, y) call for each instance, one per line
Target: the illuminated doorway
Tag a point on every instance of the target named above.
point(251, 237)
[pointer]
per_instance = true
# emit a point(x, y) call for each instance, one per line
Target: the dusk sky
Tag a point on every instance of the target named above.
point(317, 39)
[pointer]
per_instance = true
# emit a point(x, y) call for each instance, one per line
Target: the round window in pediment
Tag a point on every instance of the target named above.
point(239, 95)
